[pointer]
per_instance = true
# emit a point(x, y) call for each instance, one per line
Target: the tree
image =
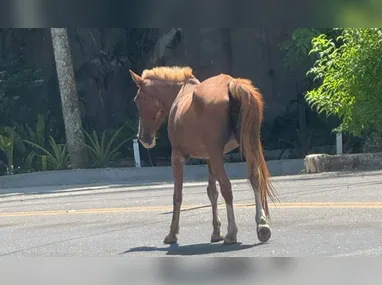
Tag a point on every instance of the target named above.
point(349, 72)
point(70, 105)
point(296, 56)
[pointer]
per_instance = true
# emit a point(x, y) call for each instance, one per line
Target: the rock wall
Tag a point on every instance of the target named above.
point(106, 90)
point(253, 53)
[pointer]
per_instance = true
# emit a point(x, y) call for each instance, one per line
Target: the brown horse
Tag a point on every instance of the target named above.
point(206, 120)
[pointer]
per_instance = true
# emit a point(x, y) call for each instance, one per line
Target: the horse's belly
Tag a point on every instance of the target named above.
point(195, 147)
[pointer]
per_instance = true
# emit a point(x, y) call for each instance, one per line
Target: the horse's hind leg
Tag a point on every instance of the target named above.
point(263, 229)
point(217, 167)
point(213, 195)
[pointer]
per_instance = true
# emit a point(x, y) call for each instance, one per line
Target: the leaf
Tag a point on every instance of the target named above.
point(101, 149)
point(57, 158)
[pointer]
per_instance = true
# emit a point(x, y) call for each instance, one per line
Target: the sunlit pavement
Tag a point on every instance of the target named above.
point(318, 215)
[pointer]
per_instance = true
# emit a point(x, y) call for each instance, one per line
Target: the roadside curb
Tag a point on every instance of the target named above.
point(318, 163)
point(131, 175)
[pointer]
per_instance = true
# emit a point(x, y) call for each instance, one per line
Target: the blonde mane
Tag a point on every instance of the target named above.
point(169, 73)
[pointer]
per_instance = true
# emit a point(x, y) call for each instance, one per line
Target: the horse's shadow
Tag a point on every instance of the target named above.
point(194, 249)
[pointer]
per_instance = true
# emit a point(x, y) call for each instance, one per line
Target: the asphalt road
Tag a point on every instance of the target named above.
point(318, 215)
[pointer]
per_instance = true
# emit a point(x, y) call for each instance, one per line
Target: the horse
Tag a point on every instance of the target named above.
point(205, 121)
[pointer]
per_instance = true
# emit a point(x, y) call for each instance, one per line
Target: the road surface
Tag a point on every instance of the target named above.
point(318, 215)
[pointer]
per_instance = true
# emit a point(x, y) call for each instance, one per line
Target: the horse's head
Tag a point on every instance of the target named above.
point(150, 110)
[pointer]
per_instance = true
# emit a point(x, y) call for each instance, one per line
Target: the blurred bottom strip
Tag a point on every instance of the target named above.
point(191, 270)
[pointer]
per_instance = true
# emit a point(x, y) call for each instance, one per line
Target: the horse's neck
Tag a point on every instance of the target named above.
point(168, 94)
point(188, 89)
point(172, 91)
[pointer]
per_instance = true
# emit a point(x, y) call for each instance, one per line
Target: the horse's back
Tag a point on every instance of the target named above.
point(212, 91)
point(198, 98)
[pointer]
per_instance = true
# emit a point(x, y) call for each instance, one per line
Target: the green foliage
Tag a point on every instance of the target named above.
point(16, 85)
point(26, 93)
point(373, 142)
point(284, 133)
point(298, 47)
point(102, 150)
point(8, 139)
point(25, 154)
point(55, 158)
point(349, 73)
point(302, 129)
point(38, 135)
point(21, 98)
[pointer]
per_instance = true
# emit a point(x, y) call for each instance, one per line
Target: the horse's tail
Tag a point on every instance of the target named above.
point(247, 125)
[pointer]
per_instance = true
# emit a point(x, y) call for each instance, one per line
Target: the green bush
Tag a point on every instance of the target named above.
point(373, 142)
point(54, 158)
point(103, 150)
point(8, 140)
point(349, 75)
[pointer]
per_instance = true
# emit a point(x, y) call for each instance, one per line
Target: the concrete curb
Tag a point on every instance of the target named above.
point(130, 175)
point(317, 163)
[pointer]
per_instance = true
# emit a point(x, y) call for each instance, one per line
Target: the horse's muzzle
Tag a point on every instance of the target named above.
point(147, 141)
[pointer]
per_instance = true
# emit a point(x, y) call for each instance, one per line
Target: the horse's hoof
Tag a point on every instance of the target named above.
point(216, 238)
point(170, 239)
point(263, 233)
point(229, 240)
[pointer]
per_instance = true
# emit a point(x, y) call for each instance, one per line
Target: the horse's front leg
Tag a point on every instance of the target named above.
point(177, 162)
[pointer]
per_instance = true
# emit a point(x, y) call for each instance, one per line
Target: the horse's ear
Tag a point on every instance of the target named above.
point(137, 79)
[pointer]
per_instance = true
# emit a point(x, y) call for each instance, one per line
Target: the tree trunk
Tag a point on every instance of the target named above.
point(70, 105)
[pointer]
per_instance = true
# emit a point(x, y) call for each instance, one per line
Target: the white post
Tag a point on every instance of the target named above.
point(339, 143)
point(136, 153)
